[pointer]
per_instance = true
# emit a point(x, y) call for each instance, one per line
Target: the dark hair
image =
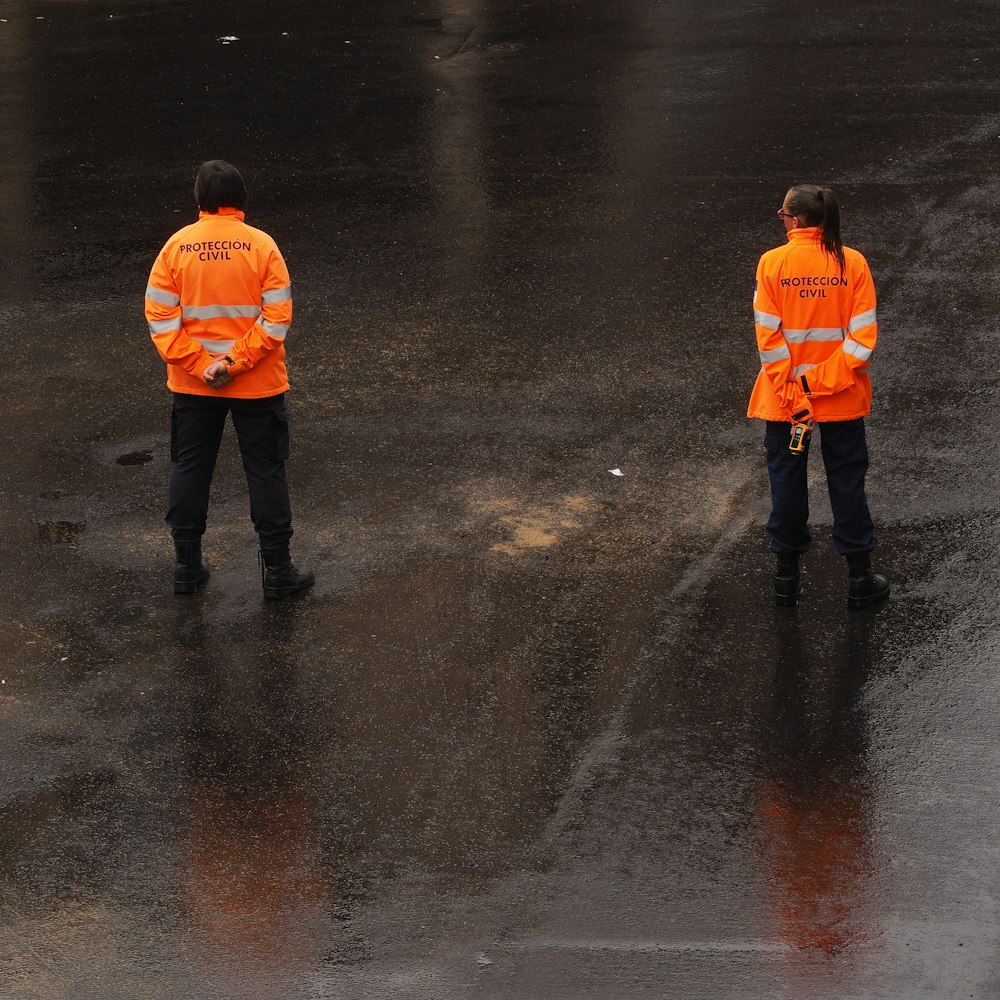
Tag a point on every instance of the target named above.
point(817, 206)
point(219, 185)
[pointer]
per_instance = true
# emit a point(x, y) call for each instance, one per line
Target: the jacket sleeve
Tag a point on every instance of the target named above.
point(163, 314)
point(775, 357)
point(275, 318)
point(839, 371)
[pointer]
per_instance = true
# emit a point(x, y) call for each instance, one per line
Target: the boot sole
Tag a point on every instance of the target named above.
point(189, 586)
point(857, 603)
point(280, 593)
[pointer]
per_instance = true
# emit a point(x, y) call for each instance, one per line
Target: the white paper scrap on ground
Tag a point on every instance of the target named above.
point(616, 472)
point(228, 38)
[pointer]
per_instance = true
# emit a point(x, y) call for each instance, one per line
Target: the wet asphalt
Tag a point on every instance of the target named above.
point(538, 731)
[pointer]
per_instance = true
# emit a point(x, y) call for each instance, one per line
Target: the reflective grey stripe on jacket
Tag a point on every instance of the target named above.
point(277, 295)
point(778, 354)
point(858, 350)
point(161, 297)
point(216, 346)
point(862, 320)
point(766, 320)
point(814, 334)
point(164, 326)
point(276, 330)
point(220, 312)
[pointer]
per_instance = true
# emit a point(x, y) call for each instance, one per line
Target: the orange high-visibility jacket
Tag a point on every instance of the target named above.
point(220, 288)
point(816, 331)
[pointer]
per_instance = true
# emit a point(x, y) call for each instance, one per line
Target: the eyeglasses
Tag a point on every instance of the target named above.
point(782, 214)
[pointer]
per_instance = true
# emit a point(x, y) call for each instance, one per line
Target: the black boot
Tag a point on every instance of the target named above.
point(864, 587)
point(279, 575)
point(189, 571)
point(786, 581)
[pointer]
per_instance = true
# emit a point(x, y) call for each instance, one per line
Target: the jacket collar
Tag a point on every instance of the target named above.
point(228, 213)
point(814, 233)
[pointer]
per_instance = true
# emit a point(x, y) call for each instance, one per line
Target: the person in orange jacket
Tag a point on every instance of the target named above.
point(219, 304)
point(815, 315)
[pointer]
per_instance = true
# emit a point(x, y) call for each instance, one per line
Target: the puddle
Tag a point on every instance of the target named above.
point(141, 457)
point(60, 532)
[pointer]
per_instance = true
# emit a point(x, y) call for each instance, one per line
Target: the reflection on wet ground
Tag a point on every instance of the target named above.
point(733, 829)
point(538, 731)
point(815, 800)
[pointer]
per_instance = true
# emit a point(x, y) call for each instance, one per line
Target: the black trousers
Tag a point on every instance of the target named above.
point(845, 456)
point(196, 426)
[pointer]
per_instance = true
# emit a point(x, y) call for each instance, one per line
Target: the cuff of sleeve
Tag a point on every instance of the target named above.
point(236, 364)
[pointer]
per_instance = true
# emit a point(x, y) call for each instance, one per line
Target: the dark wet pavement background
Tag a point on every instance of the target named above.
point(538, 732)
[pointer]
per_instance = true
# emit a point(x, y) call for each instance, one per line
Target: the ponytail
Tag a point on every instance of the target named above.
point(818, 206)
